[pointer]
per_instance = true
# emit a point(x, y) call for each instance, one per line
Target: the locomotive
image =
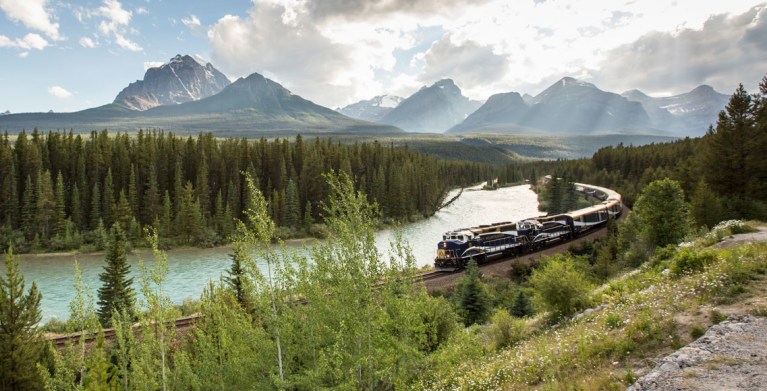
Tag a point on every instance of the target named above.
point(506, 238)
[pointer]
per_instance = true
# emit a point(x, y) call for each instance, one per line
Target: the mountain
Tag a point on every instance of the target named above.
point(251, 106)
point(432, 109)
point(569, 106)
point(506, 108)
point(6, 112)
point(687, 114)
point(182, 79)
point(372, 109)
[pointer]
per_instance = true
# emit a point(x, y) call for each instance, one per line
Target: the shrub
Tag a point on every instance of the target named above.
point(697, 331)
point(440, 321)
point(506, 330)
point(560, 287)
point(613, 321)
point(319, 231)
point(689, 260)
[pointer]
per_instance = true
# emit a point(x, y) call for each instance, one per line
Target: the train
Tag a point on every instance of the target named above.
point(507, 238)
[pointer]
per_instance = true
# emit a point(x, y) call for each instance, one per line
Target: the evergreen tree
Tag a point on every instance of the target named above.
point(705, 206)
point(95, 207)
point(308, 219)
point(20, 342)
point(133, 193)
point(28, 212)
point(46, 204)
point(60, 205)
point(236, 274)
point(152, 196)
point(116, 293)
point(473, 298)
point(292, 206)
point(521, 306)
point(108, 209)
point(76, 211)
point(166, 216)
point(189, 221)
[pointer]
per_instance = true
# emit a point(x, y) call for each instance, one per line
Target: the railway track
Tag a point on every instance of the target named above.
point(61, 341)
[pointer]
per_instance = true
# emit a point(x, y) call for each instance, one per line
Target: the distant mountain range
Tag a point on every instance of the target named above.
point(189, 95)
point(567, 107)
point(432, 109)
point(248, 105)
point(571, 106)
point(372, 109)
point(686, 114)
point(182, 79)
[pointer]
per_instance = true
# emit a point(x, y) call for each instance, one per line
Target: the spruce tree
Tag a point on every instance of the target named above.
point(116, 293)
point(473, 298)
point(20, 343)
point(108, 200)
point(521, 306)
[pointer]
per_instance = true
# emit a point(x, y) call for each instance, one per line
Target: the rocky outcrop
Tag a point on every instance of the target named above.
point(732, 355)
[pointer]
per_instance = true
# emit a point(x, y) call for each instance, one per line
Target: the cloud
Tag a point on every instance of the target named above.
point(141, 11)
point(467, 62)
point(30, 41)
point(293, 53)
point(366, 10)
point(192, 22)
point(59, 92)
point(23, 54)
point(87, 42)
point(152, 64)
point(728, 49)
point(115, 24)
point(33, 14)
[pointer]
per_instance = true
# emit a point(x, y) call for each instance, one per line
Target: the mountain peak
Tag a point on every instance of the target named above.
point(436, 108)
point(704, 89)
point(371, 109)
point(184, 78)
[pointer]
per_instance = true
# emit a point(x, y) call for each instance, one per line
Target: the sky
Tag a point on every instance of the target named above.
point(71, 55)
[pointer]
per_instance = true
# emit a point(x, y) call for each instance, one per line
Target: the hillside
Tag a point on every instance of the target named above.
point(636, 319)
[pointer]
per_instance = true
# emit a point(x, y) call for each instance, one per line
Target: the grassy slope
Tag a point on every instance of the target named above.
point(640, 318)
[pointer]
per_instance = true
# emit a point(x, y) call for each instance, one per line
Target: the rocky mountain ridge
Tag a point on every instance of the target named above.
point(182, 79)
point(432, 109)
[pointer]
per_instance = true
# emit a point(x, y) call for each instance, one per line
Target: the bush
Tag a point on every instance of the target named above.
point(560, 287)
point(689, 260)
point(613, 321)
point(440, 321)
point(319, 231)
point(697, 331)
point(506, 330)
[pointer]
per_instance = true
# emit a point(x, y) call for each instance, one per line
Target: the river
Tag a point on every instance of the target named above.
point(191, 269)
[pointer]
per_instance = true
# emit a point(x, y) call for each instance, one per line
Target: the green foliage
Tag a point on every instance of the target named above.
point(506, 330)
point(116, 293)
point(472, 297)
point(690, 259)
point(522, 306)
point(20, 342)
point(560, 286)
point(661, 213)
